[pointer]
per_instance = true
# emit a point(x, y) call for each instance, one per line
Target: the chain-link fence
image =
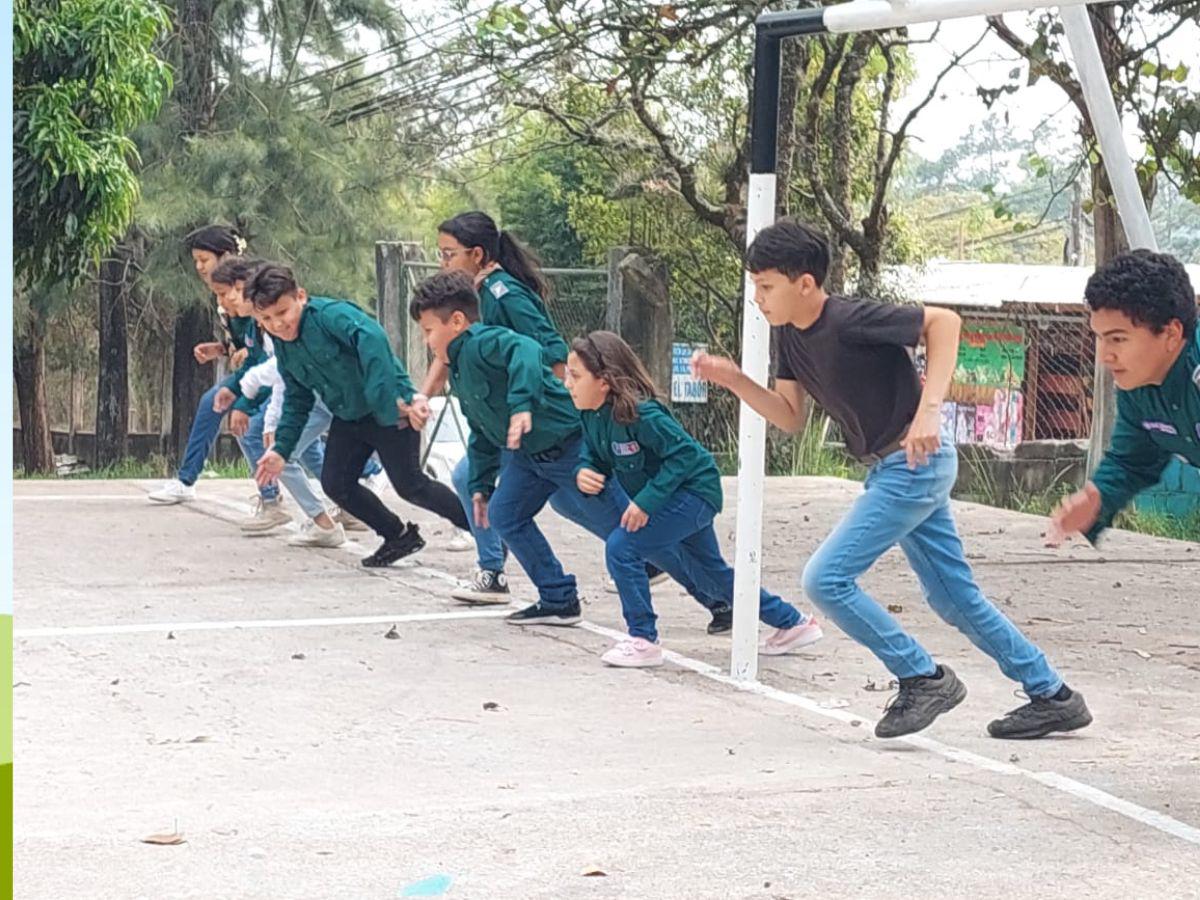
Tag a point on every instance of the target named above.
point(578, 297)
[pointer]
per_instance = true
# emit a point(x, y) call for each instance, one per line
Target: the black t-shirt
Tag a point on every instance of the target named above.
point(856, 363)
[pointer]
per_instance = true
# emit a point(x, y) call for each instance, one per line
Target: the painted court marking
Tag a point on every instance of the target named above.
point(1053, 780)
point(159, 627)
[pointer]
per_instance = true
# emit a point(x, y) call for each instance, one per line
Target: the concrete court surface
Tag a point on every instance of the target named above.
point(174, 675)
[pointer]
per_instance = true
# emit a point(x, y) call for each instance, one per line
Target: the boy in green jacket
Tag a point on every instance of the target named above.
point(333, 348)
point(1144, 316)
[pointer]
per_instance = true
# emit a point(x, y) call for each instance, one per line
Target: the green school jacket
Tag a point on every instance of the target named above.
point(246, 335)
point(1153, 424)
point(652, 457)
point(343, 354)
point(496, 373)
point(505, 301)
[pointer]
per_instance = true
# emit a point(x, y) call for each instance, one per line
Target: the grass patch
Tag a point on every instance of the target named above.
point(155, 467)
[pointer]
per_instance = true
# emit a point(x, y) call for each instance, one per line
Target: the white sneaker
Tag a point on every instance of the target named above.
point(313, 535)
point(461, 542)
point(173, 491)
point(266, 517)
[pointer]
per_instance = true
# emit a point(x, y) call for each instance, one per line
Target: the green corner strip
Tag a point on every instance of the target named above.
point(6, 756)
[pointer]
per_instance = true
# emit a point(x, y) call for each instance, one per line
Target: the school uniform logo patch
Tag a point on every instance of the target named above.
point(629, 448)
point(1161, 427)
point(1196, 376)
point(498, 289)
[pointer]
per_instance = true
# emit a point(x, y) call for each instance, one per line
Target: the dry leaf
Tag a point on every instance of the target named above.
point(393, 634)
point(491, 706)
point(1143, 654)
point(895, 608)
point(594, 872)
point(165, 840)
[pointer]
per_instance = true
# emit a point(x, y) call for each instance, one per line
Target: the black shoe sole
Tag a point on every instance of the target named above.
point(947, 704)
point(375, 561)
point(1081, 720)
point(559, 621)
point(719, 629)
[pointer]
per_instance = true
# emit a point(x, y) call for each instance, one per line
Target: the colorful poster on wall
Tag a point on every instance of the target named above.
point(990, 374)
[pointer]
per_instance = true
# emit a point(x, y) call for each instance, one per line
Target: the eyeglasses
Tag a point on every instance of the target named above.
point(447, 255)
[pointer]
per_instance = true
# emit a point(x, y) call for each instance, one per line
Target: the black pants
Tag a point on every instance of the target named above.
point(348, 447)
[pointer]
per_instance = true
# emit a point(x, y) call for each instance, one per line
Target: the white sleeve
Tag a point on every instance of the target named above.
point(274, 407)
point(264, 375)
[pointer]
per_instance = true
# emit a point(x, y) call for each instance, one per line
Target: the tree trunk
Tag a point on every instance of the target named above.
point(29, 371)
point(189, 379)
point(194, 83)
point(112, 388)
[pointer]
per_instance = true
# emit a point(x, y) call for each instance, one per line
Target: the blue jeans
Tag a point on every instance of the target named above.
point(526, 485)
point(252, 448)
point(308, 459)
point(912, 508)
point(491, 553)
point(205, 427)
point(681, 536)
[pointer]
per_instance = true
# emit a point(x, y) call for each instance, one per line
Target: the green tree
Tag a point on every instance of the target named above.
point(85, 75)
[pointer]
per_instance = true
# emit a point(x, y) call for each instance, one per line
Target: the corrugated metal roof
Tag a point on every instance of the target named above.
point(992, 285)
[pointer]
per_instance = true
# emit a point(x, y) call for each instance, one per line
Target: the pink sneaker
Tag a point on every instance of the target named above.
point(634, 653)
point(785, 640)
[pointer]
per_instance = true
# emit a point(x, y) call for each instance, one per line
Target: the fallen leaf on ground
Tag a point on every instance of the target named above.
point(392, 634)
point(165, 840)
point(491, 706)
point(895, 608)
point(594, 872)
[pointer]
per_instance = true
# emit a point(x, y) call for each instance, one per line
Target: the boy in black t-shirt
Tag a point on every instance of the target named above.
point(854, 358)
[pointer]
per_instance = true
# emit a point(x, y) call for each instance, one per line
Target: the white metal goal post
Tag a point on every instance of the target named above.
point(771, 29)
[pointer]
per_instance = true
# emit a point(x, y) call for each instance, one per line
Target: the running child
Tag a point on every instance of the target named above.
point(209, 246)
point(854, 358)
point(1144, 315)
point(334, 349)
point(670, 491)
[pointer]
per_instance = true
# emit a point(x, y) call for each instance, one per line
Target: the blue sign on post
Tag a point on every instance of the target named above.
point(685, 387)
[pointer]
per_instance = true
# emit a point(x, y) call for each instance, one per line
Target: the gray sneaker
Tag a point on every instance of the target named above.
point(919, 702)
point(267, 516)
point(1042, 716)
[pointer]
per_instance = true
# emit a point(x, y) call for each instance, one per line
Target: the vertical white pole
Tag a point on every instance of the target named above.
point(752, 448)
point(1097, 94)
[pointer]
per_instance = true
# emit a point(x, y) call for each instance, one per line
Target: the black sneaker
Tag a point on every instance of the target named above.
point(1042, 716)
point(722, 621)
point(920, 701)
point(546, 615)
point(656, 575)
point(408, 542)
point(487, 587)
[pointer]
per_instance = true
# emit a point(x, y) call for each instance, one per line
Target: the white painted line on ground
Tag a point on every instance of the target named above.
point(160, 627)
point(1077, 789)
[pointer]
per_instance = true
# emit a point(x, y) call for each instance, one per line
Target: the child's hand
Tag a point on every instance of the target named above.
point(717, 369)
point(1074, 515)
point(519, 425)
point(268, 439)
point(270, 464)
point(239, 357)
point(206, 353)
point(225, 398)
point(634, 519)
point(924, 436)
point(479, 506)
point(589, 481)
point(239, 422)
point(419, 412)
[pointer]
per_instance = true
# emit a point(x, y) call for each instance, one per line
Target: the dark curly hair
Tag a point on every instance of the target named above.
point(1150, 288)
